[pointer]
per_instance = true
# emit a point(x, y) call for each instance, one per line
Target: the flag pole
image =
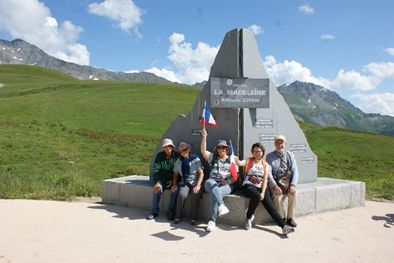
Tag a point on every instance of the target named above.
point(205, 106)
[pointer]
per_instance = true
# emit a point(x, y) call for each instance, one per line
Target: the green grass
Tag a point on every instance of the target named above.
point(60, 137)
point(359, 156)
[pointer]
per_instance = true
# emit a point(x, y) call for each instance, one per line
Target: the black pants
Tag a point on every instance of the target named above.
point(254, 193)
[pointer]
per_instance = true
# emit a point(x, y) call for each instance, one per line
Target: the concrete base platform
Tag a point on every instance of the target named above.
point(322, 195)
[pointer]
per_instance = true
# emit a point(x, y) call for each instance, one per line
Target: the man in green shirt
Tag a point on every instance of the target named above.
point(162, 179)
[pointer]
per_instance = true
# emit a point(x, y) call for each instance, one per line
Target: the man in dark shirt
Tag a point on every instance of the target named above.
point(162, 178)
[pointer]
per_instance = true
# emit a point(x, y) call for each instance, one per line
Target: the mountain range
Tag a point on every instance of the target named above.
point(314, 104)
point(21, 52)
point(308, 102)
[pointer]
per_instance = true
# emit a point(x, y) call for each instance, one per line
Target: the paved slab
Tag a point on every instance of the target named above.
point(48, 231)
point(322, 195)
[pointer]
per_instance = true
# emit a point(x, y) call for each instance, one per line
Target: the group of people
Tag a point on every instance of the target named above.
point(268, 181)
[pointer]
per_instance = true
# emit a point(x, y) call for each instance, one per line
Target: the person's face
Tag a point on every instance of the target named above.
point(222, 151)
point(280, 145)
point(257, 153)
point(184, 152)
point(168, 150)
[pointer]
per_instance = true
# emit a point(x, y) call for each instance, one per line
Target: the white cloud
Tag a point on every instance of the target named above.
point(390, 51)
point(381, 70)
point(290, 71)
point(327, 37)
point(352, 80)
point(256, 30)
point(124, 13)
point(164, 73)
point(306, 9)
point(32, 21)
point(190, 65)
point(375, 73)
point(382, 103)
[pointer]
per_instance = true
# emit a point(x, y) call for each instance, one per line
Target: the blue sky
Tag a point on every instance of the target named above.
point(346, 46)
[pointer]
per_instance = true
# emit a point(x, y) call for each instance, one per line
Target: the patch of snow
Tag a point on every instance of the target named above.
point(96, 79)
point(309, 100)
point(314, 106)
point(91, 76)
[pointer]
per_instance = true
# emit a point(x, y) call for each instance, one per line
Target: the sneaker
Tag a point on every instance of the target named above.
point(177, 220)
point(287, 229)
point(223, 210)
point(151, 216)
point(248, 222)
point(291, 222)
point(211, 226)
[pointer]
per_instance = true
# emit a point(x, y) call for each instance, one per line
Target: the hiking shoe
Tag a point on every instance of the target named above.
point(287, 230)
point(170, 217)
point(291, 222)
point(151, 216)
point(211, 226)
point(177, 220)
point(223, 210)
point(248, 222)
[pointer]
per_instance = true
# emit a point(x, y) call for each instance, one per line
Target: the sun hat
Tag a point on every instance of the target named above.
point(221, 143)
point(167, 142)
point(280, 137)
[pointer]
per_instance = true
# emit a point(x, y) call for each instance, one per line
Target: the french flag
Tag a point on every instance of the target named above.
point(233, 166)
point(207, 118)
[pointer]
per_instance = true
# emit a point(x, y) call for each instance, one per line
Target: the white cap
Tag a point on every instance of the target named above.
point(167, 142)
point(280, 137)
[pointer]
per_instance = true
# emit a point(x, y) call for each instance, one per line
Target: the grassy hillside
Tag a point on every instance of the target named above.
point(60, 137)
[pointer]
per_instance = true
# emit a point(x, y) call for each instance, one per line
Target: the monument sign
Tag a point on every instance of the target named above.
point(246, 105)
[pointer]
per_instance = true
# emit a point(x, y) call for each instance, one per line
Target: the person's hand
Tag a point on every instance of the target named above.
point(223, 182)
point(157, 188)
point(261, 197)
point(292, 190)
point(277, 190)
point(196, 189)
point(204, 132)
point(173, 188)
point(169, 184)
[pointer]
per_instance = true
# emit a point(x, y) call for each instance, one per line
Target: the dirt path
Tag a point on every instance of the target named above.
point(48, 231)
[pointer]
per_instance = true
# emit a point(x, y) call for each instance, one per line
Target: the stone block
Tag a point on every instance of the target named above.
point(332, 196)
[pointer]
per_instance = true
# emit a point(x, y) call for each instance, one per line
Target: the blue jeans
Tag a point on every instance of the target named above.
point(216, 193)
point(171, 205)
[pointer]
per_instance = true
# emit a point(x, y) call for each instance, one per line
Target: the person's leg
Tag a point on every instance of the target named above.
point(195, 203)
point(291, 204)
point(271, 209)
point(171, 210)
point(179, 207)
point(278, 201)
point(156, 202)
point(212, 188)
point(253, 193)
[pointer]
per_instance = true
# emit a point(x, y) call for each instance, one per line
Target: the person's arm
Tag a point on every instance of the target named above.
point(272, 182)
point(294, 175)
point(264, 185)
point(203, 146)
point(174, 182)
point(239, 162)
point(156, 174)
point(197, 188)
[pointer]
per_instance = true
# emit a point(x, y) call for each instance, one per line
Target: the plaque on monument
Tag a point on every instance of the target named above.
point(239, 93)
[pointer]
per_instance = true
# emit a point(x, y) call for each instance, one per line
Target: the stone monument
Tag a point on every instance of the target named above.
point(248, 109)
point(246, 105)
